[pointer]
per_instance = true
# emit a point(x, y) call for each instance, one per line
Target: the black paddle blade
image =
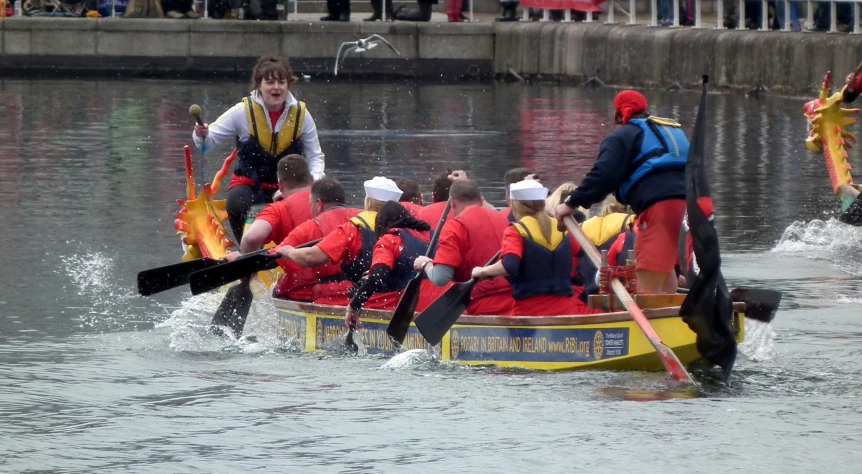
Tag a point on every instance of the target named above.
point(853, 216)
point(349, 342)
point(438, 318)
point(233, 310)
point(164, 278)
point(760, 304)
point(210, 279)
point(403, 314)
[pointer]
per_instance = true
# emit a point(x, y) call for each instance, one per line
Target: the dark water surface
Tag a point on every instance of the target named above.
point(96, 379)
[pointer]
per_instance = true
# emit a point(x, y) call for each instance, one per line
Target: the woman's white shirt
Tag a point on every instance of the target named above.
point(234, 123)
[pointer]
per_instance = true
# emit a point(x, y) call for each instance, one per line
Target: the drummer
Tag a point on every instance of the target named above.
point(267, 125)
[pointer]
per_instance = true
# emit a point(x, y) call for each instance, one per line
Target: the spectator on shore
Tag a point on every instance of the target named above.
point(843, 17)
point(377, 6)
point(422, 13)
point(339, 10)
point(180, 9)
point(794, 15)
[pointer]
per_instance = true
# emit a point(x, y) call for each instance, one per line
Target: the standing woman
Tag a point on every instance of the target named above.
point(267, 125)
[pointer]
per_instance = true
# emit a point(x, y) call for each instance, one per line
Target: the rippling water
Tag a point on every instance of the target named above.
point(97, 379)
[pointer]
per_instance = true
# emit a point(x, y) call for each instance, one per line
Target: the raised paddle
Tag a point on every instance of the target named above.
point(440, 315)
point(245, 266)
point(670, 361)
point(403, 314)
point(156, 280)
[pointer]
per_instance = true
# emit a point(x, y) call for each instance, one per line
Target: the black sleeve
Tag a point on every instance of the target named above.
point(585, 275)
point(610, 169)
point(512, 264)
point(369, 286)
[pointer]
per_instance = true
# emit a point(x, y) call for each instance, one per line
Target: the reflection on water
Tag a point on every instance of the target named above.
point(96, 377)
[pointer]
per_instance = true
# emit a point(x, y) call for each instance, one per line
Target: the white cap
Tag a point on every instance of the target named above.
point(382, 189)
point(527, 190)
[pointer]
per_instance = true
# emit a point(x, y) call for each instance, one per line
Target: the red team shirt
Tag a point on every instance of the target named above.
point(285, 215)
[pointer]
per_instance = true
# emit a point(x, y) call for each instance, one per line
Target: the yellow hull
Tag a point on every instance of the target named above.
point(609, 341)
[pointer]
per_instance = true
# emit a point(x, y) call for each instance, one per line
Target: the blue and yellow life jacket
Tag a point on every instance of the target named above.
point(258, 155)
point(603, 230)
point(664, 147)
point(360, 264)
point(546, 266)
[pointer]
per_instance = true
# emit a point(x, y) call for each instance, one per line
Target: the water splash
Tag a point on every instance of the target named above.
point(95, 277)
point(414, 358)
point(189, 327)
point(831, 235)
point(759, 343)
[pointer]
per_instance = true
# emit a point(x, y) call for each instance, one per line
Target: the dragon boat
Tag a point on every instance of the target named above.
point(827, 134)
point(605, 341)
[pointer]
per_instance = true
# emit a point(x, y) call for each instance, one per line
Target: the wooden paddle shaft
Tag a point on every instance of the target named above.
point(670, 361)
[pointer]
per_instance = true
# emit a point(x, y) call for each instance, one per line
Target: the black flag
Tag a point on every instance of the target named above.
point(707, 309)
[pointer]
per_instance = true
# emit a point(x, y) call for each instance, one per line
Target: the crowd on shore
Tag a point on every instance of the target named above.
point(456, 11)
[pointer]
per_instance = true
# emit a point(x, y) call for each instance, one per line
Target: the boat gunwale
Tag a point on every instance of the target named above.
point(494, 320)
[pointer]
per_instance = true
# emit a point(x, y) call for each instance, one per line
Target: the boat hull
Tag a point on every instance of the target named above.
point(610, 341)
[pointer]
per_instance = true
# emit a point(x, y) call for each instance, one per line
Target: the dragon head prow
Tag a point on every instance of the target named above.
point(199, 220)
point(827, 132)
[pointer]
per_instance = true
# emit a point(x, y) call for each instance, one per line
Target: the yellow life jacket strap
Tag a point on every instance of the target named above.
point(664, 121)
point(365, 220)
point(529, 228)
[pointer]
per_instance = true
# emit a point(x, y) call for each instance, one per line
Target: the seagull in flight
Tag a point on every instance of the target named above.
point(361, 46)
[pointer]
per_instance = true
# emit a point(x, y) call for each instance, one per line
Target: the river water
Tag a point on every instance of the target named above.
point(94, 378)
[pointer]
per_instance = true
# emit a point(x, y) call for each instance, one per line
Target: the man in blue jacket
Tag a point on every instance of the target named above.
point(642, 163)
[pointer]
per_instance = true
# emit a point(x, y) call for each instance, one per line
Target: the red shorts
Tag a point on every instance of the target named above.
point(658, 229)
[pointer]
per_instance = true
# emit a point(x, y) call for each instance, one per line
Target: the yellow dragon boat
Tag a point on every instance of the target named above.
point(606, 341)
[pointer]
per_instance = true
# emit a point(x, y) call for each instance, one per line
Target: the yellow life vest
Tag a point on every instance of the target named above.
point(275, 143)
point(529, 228)
point(365, 220)
point(602, 229)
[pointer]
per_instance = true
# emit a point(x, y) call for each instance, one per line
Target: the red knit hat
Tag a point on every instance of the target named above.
point(628, 103)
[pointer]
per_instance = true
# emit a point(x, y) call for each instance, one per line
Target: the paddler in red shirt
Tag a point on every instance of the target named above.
point(325, 281)
point(401, 238)
point(514, 175)
point(411, 197)
point(467, 241)
point(538, 259)
point(349, 245)
point(278, 219)
point(439, 195)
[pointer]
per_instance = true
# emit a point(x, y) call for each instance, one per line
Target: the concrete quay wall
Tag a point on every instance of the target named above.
point(623, 55)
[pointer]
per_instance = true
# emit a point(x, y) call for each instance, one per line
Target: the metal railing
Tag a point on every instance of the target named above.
point(856, 27)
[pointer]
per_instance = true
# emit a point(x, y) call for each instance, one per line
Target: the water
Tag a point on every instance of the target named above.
point(97, 379)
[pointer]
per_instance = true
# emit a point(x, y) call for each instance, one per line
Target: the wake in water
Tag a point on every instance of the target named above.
point(817, 235)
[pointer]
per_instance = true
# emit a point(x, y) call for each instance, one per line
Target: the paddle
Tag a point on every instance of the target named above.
point(349, 341)
point(156, 280)
point(440, 315)
point(245, 266)
point(670, 361)
point(234, 308)
point(403, 314)
point(760, 303)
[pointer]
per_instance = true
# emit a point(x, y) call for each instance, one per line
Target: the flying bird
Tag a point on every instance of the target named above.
point(361, 46)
